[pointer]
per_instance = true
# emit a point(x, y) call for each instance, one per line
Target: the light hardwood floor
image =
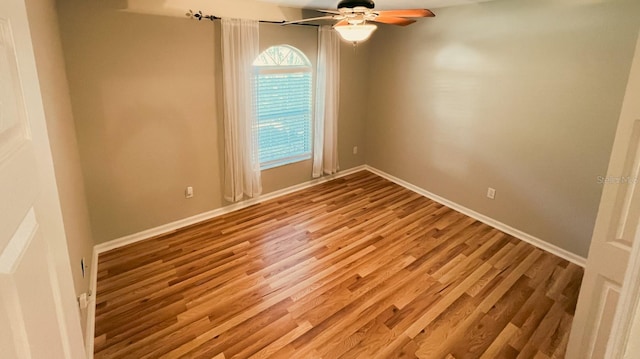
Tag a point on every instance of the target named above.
point(357, 267)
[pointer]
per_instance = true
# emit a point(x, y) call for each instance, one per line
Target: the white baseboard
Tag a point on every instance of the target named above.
point(546, 246)
point(166, 228)
point(133, 238)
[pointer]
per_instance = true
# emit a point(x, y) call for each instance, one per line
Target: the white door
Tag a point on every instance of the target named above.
point(38, 312)
point(616, 231)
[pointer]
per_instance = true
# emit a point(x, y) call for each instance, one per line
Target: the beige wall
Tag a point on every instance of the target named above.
point(354, 80)
point(522, 96)
point(62, 135)
point(146, 98)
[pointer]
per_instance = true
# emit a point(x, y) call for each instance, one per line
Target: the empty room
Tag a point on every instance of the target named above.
point(319, 179)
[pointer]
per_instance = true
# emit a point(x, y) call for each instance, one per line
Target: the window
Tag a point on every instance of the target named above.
point(284, 108)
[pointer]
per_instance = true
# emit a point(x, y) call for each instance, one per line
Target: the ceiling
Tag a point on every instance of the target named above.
point(272, 10)
point(380, 4)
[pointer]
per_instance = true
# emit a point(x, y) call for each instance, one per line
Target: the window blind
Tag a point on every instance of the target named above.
point(284, 110)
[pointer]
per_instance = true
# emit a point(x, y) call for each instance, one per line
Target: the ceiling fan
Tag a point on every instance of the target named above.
point(352, 18)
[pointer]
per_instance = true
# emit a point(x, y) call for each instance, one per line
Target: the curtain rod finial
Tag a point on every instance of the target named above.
point(199, 16)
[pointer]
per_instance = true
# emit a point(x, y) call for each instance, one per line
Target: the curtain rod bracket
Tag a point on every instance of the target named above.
point(199, 16)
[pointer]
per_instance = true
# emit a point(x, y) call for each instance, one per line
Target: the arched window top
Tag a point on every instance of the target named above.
point(282, 56)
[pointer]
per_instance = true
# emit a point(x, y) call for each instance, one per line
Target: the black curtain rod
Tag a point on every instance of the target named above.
point(199, 16)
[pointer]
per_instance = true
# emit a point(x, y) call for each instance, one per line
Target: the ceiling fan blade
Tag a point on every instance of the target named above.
point(342, 23)
point(407, 13)
point(394, 20)
point(328, 11)
point(328, 17)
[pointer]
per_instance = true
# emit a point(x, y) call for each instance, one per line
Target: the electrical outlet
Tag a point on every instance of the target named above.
point(355, 150)
point(188, 193)
point(491, 193)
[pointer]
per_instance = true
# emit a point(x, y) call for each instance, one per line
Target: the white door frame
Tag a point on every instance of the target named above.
point(630, 291)
point(627, 306)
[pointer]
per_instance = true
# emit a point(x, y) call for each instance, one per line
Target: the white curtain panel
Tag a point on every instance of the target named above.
point(325, 141)
point(240, 47)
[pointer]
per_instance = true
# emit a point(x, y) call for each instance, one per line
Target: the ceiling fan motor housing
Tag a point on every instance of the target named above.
point(350, 4)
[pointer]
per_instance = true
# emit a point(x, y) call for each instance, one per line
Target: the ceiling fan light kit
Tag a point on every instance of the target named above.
point(356, 33)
